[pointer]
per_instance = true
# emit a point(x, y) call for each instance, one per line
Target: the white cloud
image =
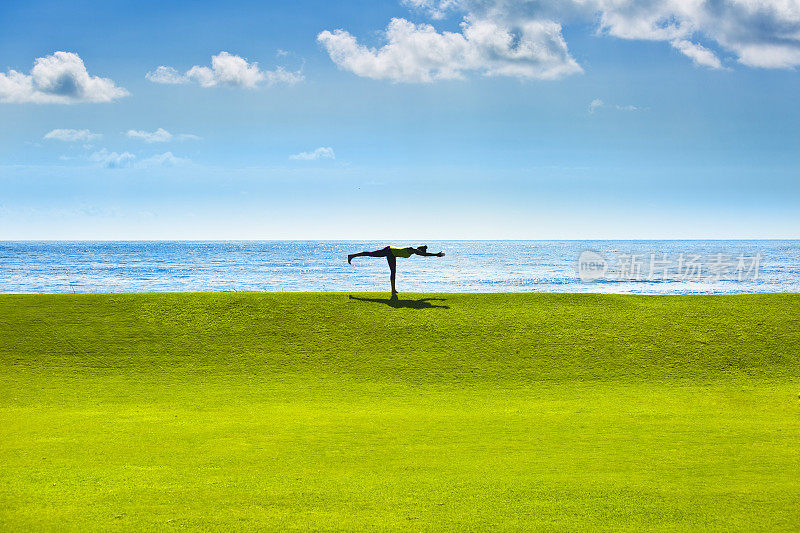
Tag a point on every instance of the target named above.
point(436, 9)
point(761, 33)
point(769, 55)
point(418, 53)
point(159, 136)
point(113, 159)
point(167, 159)
point(522, 38)
point(281, 75)
point(323, 152)
point(597, 103)
point(129, 160)
point(67, 135)
point(60, 78)
point(699, 54)
point(166, 75)
point(227, 70)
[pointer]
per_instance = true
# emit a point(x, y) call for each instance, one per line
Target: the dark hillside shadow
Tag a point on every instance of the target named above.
point(422, 303)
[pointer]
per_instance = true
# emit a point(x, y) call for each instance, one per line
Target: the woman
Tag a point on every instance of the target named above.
point(391, 254)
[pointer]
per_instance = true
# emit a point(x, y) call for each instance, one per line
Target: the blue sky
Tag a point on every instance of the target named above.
point(399, 132)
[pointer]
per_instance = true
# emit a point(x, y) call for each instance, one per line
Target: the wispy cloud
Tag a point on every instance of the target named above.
point(436, 9)
point(595, 104)
point(166, 75)
point(129, 160)
point(60, 78)
point(226, 70)
point(323, 152)
point(167, 159)
point(68, 135)
point(160, 136)
point(113, 159)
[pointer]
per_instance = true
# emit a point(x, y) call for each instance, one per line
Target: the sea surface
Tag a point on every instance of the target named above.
point(646, 267)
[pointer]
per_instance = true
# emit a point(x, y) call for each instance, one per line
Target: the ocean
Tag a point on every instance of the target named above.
point(613, 266)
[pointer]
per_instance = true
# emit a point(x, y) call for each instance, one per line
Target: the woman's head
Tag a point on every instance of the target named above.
point(422, 248)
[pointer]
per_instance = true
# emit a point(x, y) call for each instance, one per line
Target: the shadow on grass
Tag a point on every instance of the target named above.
point(422, 303)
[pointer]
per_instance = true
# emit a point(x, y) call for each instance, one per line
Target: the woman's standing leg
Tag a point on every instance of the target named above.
point(392, 270)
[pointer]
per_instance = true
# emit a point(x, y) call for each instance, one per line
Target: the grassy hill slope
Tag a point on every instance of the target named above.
point(453, 411)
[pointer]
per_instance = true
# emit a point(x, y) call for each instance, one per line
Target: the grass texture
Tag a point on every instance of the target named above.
point(462, 412)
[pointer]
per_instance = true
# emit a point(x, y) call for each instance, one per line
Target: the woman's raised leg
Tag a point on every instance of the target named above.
point(383, 252)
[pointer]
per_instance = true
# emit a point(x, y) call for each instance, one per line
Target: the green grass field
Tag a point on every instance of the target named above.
point(463, 412)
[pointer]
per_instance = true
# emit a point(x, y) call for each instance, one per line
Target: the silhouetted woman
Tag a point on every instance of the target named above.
point(391, 254)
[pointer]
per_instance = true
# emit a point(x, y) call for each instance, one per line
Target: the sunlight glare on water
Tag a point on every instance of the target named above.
point(469, 266)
